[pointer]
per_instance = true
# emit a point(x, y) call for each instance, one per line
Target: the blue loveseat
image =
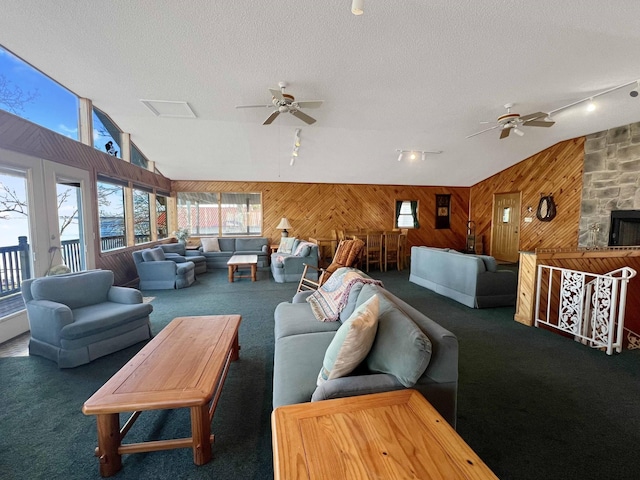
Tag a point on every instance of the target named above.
point(288, 267)
point(78, 317)
point(473, 280)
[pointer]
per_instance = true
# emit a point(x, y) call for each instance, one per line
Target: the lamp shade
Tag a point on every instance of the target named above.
point(284, 224)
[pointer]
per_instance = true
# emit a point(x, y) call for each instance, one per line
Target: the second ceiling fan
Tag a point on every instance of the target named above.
point(511, 121)
point(286, 103)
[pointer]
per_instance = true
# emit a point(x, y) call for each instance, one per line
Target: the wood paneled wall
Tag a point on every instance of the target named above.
point(556, 170)
point(315, 209)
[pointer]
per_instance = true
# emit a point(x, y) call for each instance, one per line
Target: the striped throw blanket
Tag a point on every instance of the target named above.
point(330, 299)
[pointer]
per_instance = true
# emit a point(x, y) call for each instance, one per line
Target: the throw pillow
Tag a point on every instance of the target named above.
point(400, 348)
point(351, 342)
point(286, 245)
point(146, 255)
point(153, 254)
point(210, 244)
point(489, 263)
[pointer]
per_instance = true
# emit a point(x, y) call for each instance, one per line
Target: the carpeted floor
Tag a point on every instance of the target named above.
point(532, 404)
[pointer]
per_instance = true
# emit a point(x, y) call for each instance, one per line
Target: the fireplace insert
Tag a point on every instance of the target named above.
point(625, 228)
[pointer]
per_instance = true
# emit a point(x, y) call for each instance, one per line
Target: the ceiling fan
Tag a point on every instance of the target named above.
point(285, 102)
point(512, 121)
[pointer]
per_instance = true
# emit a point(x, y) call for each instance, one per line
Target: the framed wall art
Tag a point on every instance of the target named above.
point(443, 211)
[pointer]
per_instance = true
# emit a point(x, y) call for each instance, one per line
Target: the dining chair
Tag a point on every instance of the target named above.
point(391, 249)
point(373, 252)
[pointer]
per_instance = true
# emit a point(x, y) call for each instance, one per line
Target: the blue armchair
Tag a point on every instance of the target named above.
point(179, 253)
point(78, 317)
point(158, 272)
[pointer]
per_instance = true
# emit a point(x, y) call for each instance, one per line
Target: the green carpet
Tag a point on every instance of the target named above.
point(532, 404)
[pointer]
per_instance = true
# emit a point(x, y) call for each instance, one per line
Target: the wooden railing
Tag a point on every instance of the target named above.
point(14, 267)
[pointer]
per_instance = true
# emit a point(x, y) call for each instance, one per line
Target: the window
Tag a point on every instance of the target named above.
point(106, 135)
point(161, 216)
point(407, 214)
point(220, 214)
point(111, 215)
point(30, 94)
point(137, 158)
point(141, 216)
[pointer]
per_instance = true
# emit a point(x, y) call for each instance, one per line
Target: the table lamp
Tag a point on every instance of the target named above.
point(283, 225)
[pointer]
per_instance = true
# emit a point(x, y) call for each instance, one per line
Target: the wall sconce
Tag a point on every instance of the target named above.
point(357, 7)
point(296, 146)
point(283, 225)
point(413, 154)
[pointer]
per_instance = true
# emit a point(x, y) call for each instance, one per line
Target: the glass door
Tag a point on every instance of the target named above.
point(70, 247)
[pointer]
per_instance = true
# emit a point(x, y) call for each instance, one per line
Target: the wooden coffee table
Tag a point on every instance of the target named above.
point(392, 435)
point(238, 261)
point(184, 366)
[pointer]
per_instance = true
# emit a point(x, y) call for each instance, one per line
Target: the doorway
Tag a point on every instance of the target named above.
point(505, 226)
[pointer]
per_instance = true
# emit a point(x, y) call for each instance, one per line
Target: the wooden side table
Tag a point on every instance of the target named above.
point(389, 435)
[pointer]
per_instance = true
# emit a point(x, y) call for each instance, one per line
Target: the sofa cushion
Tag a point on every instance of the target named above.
point(489, 263)
point(352, 342)
point(102, 317)
point(296, 319)
point(210, 244)
point(153, 254)
point(296, 361)
point(75, 290)
point(178, 248)
point(400, 348)
point(286, 245)
point(250, 244)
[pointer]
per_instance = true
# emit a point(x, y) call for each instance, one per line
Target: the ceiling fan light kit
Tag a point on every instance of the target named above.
point(286, 103)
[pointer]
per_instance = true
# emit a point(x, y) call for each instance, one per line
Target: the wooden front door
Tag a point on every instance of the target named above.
point(505, 236)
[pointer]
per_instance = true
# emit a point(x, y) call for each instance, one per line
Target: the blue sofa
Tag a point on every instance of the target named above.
point(230, 246)
point(473, 280)
point(301, 342)
point(78, 317)
point(288, 267)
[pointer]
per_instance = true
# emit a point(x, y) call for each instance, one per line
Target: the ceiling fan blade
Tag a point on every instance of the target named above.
point(302, 116)
point(310, 104)
point(533, 116)
point(537, 123)
point(271, 118)
point(505, 133)
point(277, 94)
point(482, 131)
point(254, 106)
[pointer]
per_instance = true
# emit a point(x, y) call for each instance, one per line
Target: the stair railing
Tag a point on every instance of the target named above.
point(588, 306)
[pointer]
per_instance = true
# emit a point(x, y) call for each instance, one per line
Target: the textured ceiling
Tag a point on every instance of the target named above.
point(405, 75)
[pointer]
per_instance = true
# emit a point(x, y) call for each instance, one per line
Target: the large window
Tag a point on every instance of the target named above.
point(220, 214)
point(161, 216)
point(111, 215)
point(28, 93)
point(141, 216)
point(137, 158)
point(106, 135)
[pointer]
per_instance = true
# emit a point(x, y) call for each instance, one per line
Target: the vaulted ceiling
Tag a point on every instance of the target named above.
point(410, 74)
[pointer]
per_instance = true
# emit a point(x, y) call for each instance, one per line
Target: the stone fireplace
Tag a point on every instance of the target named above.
point(611, 182)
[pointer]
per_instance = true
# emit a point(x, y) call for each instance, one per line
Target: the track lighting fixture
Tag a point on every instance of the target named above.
point(357, 7)
point(296, 147)
point(634, 92)
point(413, 154)
point(591, 106)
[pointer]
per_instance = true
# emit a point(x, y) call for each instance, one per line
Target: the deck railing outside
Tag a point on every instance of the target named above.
point(588, 306)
